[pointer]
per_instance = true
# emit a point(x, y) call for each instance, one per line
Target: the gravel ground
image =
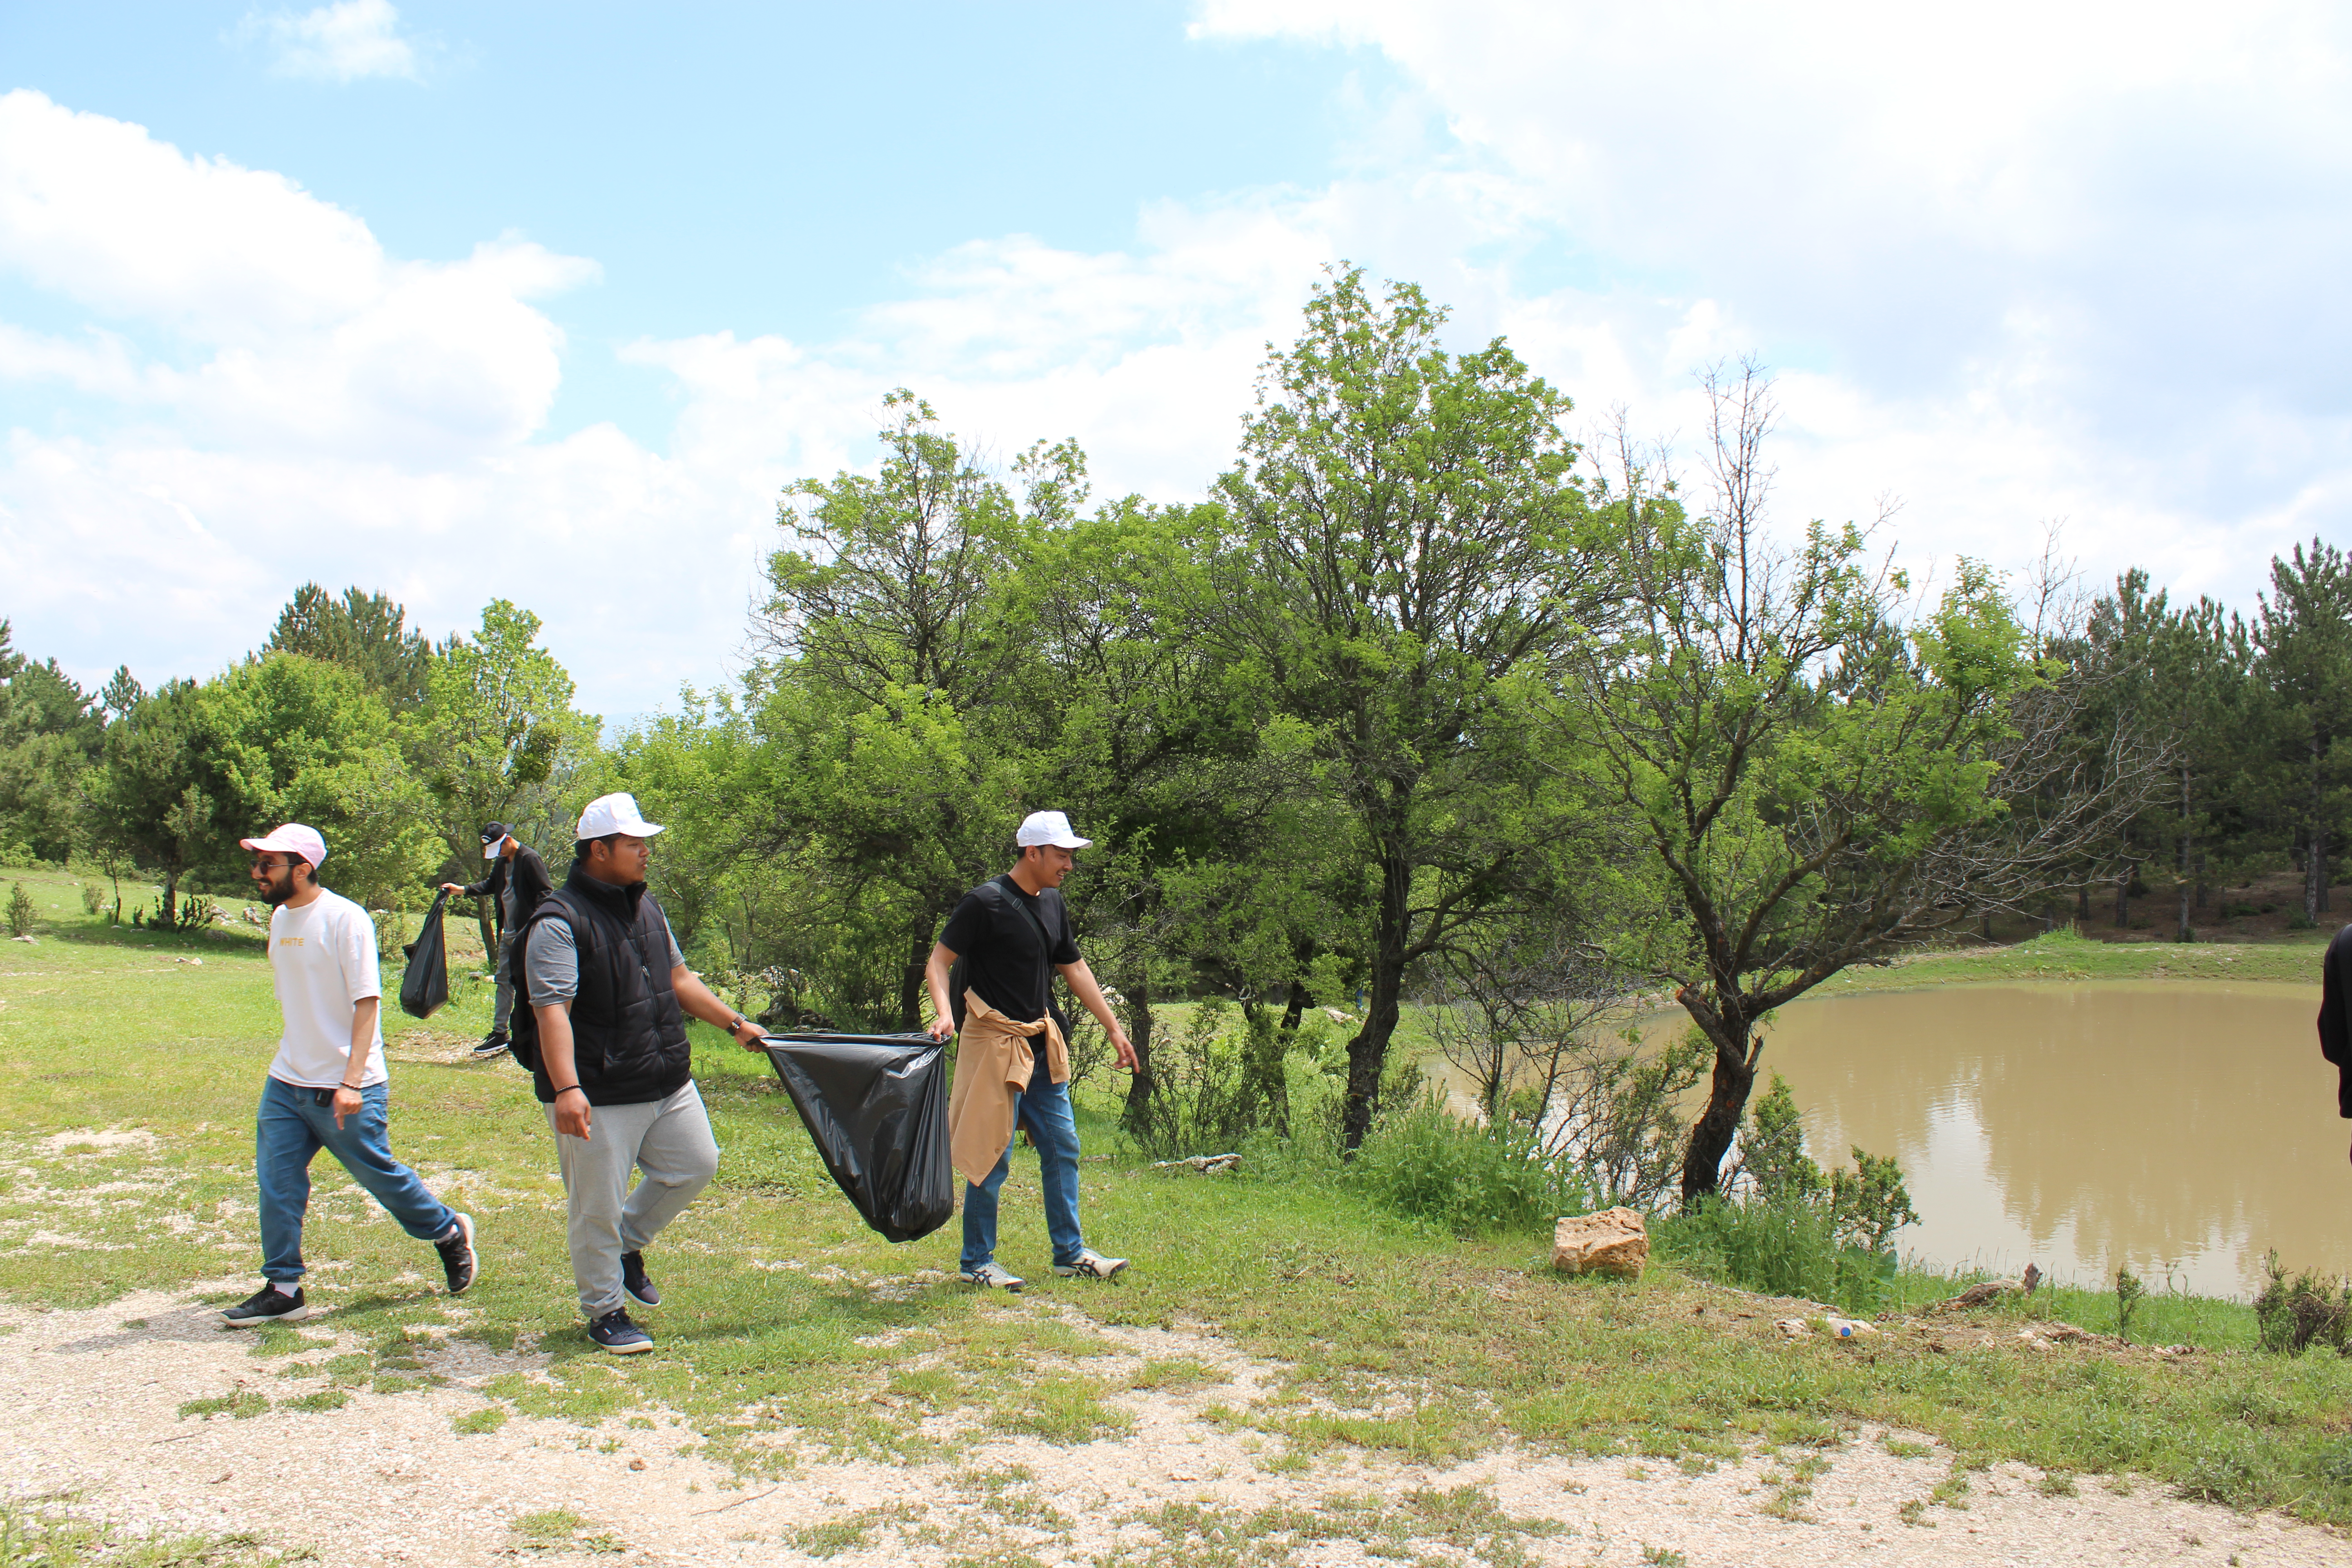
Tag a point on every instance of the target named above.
point(385, 1479)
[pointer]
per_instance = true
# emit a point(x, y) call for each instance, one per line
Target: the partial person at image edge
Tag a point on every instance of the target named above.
point(328, 1087)
point(990, 981)
point(605, 994)
point(517, 883)
point(2335, 1014)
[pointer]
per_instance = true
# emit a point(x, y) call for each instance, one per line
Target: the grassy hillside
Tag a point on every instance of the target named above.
point(129, 1063)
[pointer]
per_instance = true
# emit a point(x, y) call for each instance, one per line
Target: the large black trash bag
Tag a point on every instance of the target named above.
point(426, 985)
point(876, 1106)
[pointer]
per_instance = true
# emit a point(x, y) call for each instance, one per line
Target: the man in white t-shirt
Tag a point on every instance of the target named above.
point(327, 1089)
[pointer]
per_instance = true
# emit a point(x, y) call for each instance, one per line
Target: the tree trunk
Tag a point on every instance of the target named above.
point(2180, 872)
point(1736, 1053)
point(171, 897)
point(2083, 903)
point(1296, 1007)
point(2123, 893)
point(1138, 1114)
point(2314, 874)
point(911, 982)
point(1367, 1053)
point(2314, 850)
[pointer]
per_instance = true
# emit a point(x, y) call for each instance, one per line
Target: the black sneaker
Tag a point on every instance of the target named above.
point(267, 1305)
point(633, 1279)
point(457, 1250)
point(616, 1334)
point(493, 1045)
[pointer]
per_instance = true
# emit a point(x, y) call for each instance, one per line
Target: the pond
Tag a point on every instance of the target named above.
point(2187, 1128)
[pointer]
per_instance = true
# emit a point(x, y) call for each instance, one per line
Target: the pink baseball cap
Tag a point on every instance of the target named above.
point(291, 838)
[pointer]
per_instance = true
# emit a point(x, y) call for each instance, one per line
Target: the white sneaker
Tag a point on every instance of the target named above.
point(1091, 1265)
point(992, 1274)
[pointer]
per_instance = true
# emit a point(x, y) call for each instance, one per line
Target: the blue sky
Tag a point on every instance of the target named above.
point(549, 303)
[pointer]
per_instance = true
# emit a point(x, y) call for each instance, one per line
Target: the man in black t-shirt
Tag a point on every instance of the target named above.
point(1011, 934)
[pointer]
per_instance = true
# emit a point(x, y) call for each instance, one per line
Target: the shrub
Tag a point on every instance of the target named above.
point(1206, 1101)
point(1794, 1229)
point(2290, 1319)
point(93, 897)
point(20, 911)
point(1786, 1248)
point(1468, 1179)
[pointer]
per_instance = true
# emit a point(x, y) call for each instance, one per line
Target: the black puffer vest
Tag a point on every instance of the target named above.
point(628, 1036)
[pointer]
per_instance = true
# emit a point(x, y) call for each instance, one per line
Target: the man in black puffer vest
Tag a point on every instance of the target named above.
point(603, 1028)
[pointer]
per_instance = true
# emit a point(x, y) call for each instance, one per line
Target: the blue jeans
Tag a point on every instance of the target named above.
point(1046, 1107)
point(292, 1126)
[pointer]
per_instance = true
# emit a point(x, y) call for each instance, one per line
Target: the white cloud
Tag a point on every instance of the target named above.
point(342, 42)
point(2026, 261)
point(2023, 268)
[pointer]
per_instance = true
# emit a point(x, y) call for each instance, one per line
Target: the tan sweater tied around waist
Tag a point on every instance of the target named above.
point(994, 1062)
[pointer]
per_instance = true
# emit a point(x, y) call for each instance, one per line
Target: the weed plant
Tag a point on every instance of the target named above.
point(1465, 1179)
point(1786, 1247)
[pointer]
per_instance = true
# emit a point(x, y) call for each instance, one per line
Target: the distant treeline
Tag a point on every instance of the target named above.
point(1425, 700)
point(396, 748)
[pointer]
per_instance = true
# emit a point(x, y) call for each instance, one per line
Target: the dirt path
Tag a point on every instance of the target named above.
point(94, 1400)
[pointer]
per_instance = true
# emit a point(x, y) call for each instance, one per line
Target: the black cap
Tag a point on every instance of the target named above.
point(495, 833)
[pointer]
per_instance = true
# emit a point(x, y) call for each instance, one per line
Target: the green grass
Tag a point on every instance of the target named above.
point(790, 1332)
point(32, 1537)
point(2061, 955)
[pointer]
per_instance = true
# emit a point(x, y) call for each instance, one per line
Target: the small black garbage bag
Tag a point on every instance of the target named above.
point(876, 1106)
point(426, 985)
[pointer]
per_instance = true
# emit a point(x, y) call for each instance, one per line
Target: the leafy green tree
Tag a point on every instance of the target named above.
point(495, 738)
point(1403, 563)
point(149, 804)
point(897, 579)
point(364, 632)
point(52, 733)
point(2303, 630)
point(1203, 855)
point(2205, 697)
point(285, 738)
point(890, 633)
point(1814, 781)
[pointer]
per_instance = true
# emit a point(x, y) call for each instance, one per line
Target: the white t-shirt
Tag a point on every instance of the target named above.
point(322, 965)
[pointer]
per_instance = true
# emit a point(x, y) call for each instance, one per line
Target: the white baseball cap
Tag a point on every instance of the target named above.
point(291, 838)
point(1048, 827)
point(614, 814)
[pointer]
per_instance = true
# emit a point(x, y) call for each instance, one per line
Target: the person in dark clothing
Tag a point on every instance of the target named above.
point(2335, 1016)
point(605, 995)
point(517, 882)
point(991, 980)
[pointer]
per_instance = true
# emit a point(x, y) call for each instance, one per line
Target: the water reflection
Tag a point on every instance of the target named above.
point(2187, 1128)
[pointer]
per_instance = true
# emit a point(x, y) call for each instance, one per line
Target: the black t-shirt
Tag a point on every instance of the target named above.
point(994, 935)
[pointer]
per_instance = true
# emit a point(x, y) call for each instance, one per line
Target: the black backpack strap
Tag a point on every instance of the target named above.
point(525, 1035)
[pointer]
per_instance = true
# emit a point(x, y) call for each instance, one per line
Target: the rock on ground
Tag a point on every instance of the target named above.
point(1614, 1241)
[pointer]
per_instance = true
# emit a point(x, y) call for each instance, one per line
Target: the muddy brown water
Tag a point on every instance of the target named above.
point(2183, 1127)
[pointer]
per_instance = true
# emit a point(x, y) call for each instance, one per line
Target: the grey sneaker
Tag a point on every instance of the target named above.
point(1090, 1265)
point(994, 1275)
point(267, 1305)
point(614, 1333)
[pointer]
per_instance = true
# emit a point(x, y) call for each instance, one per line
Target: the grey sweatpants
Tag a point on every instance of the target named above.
point(504, 1006)
point(670, 1140)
